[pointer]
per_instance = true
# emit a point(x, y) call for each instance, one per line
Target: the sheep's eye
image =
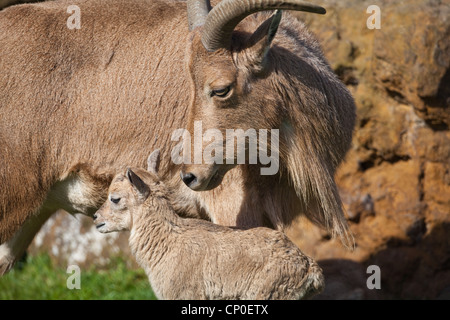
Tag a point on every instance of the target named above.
point(223, 92)
point(115, 200)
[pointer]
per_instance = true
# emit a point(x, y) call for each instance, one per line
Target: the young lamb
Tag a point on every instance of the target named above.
point(196, 259)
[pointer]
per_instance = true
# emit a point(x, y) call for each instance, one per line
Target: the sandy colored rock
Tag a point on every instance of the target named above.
point(412, 55)
point(395, 181)
point(73, 240)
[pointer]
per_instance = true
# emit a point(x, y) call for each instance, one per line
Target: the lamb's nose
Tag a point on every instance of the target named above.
point(188, 178)
point(95, 216)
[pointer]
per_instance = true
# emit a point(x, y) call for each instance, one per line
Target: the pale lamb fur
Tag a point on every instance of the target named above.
point(196, 259)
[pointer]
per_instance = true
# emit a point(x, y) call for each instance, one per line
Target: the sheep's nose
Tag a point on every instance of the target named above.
point(95, 216)
point(188, 178)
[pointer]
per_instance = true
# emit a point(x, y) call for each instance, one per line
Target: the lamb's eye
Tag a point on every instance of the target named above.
point(223, 92)
point(115, 200)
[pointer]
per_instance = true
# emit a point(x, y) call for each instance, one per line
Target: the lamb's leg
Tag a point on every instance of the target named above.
point(315, 281)
point(14, 248)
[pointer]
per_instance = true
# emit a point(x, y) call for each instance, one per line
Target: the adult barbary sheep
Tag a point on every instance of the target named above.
point(77, 105)
point(196, 259)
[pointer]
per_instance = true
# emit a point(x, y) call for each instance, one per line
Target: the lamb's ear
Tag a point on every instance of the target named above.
point(260, 41)
point(153, 161)
point(138, 184)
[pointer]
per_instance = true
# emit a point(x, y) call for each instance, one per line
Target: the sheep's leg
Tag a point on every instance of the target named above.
point(14, 248)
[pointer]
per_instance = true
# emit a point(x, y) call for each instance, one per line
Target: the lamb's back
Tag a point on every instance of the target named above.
point(246, 263)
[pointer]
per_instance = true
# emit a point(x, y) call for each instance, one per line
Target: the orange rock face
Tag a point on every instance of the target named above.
point(395, 182)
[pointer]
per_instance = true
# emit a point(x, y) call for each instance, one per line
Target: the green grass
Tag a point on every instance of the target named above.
point(38, 279)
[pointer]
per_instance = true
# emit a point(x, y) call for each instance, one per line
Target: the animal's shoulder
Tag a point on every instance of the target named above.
point(270, 236)
point(200, 224)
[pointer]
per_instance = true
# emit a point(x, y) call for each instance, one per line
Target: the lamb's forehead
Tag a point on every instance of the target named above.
point(119, 182)
point(119, 178)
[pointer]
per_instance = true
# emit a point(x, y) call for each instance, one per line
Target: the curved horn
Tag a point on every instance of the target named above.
point(197, 11)
point(222, 20)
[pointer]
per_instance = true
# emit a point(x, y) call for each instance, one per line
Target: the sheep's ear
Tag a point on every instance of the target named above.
point(153, 161)
point(260, 41)
point(138, 184)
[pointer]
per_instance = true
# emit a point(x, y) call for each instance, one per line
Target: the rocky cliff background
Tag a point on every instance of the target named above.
point(395, 182)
